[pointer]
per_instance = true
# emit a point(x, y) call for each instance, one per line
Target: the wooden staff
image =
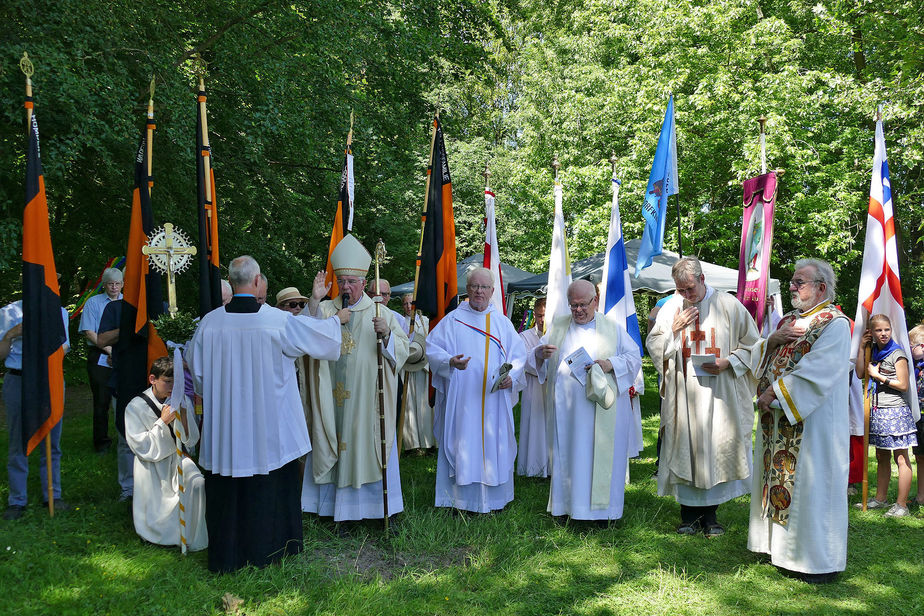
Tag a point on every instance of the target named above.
point(181, 477)
point(763, 145)
point(149, 142)
point(867, 403)
point(25, 65)
point(410, 334)
point(380, 349)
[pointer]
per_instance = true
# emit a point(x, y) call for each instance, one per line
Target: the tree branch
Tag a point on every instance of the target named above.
point(189, 53)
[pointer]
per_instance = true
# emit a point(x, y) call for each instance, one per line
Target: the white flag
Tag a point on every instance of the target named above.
point(556, 303)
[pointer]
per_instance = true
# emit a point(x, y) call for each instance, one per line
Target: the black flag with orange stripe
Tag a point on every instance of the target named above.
point(142, 300)
point(43, 335)
point(209, 272)
point(437, 288)
point(343, 219)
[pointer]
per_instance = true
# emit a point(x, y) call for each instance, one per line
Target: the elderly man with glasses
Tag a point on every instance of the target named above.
point(588, 365)
point(343, 472)
point(701, 345)
point(799, 495)
point(476, 357)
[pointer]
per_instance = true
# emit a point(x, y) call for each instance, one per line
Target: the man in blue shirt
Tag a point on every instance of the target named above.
point(18, 462)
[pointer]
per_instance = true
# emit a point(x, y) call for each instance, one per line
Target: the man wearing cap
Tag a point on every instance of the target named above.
point(701, 345)
point(99, 368)
point(474, 402)
point(418, 414)
point(343, 473)
point(591, 420)
point(253, 428)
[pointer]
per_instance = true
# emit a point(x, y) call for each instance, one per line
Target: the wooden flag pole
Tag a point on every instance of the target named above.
point(149, 142)
point(411, 327)
point(866, 411)
point(380, 350)
point(25, 65)
point(763, 145)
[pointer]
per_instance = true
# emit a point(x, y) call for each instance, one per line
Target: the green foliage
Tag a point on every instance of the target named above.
point(516, 81)
point(178, 328)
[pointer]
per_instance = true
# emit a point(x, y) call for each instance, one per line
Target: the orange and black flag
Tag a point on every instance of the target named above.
point(209, 272)
point(43, 334)
point(343, 219)
point(142, 301)
point(437, 286)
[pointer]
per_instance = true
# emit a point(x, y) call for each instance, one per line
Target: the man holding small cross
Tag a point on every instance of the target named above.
point(707, 411)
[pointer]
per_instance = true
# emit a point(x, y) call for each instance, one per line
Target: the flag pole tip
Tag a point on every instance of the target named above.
point(25, 65)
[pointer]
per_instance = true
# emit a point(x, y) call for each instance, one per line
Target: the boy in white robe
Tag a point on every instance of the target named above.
point(150, 424)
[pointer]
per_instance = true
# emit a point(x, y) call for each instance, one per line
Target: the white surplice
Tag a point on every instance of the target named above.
point(708, 421)
point(533, 448)
point(576, 431)
point(814, 394)
point(476, 440)
point(242, 366)
point(156, 501)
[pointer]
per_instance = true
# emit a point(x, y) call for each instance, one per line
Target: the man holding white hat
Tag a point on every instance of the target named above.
point(343, 472)
point(590, 421)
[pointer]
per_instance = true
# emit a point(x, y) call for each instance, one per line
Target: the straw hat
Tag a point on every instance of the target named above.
point(288, 294)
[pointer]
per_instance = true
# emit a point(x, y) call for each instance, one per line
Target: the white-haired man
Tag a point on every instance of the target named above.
point(591, 421)
point(799, 495)
point(253, 429)
point(473, 420)
point(707, 413)
point(99, 368)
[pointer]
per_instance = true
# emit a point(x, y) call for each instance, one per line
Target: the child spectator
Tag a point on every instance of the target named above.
point(891, 425)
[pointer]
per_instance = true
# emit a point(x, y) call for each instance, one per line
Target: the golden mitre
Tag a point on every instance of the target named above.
point(350, 258)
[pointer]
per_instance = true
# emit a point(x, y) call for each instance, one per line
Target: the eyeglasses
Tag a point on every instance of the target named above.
point(580, 306)
point(295, 304)
point(350, 281)
point(480, 287)
point(798, 283)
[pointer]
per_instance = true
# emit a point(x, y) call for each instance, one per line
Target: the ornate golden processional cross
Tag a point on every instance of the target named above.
point(170, 253)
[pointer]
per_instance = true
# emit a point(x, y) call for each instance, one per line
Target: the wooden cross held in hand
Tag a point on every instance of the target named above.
point(170, 253)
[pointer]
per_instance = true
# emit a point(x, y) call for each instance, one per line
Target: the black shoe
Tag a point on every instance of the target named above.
point(819, 578)
point(14, 512)
point(714, 530)
point(690, 528)
point(60, 505)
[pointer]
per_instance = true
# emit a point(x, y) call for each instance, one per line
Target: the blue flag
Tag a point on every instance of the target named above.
point(661, 184)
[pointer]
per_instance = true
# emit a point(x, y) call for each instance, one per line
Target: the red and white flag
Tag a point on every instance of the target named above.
point(491, 254)
point(880, 286)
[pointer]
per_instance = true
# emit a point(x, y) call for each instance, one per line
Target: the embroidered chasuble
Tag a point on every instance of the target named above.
point(344, 403)
point(707, 420)
point(589, 442)
point(473, 426)
point(799, 488)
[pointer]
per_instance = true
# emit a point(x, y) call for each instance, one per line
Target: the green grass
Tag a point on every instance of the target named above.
point(519, 561)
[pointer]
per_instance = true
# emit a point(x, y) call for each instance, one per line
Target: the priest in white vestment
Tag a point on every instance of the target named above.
point(417, 422)
point(343, 473)
point(149, 431)
point(591, 431)
point(473, 424)
point(799, 496)
point(708, 418)
point(253, 427)
point(533, 448)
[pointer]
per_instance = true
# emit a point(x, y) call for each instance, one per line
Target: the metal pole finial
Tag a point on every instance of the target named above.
point(199, 64)
point(613, 161)
point(555, 165)
point(26, 66)
point(486, 174)
point(152, 87)
point(763, 122)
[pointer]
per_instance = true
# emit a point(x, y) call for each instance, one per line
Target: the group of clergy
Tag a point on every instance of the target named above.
point(579, 426)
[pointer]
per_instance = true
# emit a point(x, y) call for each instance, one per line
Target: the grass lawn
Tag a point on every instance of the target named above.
point(519, 561)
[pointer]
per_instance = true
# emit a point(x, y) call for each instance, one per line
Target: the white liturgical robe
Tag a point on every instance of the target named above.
point(156, 502)
point(809, 439)
point(589, 442)
point(242, 365)
point(533, 448)
point(707, 420)
point(418, 414)
point(474, 427)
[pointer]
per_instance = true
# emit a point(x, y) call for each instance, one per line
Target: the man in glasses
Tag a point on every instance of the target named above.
point(343, 472)
point(701, 345)
point(469, 351)
point(588, 365)
point(799, 496)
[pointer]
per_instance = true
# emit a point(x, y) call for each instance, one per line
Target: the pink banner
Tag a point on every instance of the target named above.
point(756, 242)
